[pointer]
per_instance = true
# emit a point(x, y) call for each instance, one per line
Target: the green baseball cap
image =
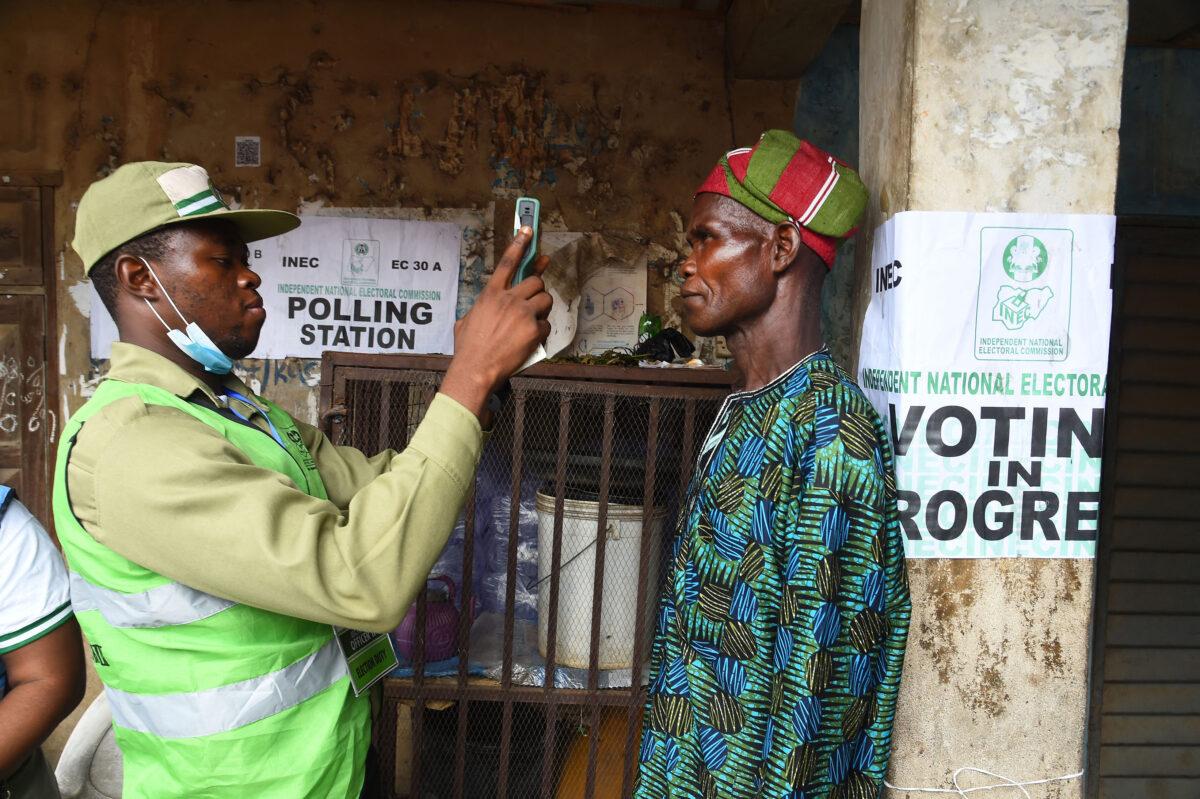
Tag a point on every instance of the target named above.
point(139, 197)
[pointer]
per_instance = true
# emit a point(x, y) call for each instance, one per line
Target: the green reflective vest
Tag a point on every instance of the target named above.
point(212, 698)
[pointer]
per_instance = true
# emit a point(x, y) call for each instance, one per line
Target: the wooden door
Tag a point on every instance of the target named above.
point(24, 432)
point(1144, 736)
point(28, 375)
point(21, 261)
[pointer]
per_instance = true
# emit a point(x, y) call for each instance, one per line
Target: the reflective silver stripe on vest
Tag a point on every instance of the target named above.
point(161, 606)
point(228, 707)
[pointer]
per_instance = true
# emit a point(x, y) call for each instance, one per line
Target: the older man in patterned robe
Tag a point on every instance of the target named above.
point(780, 635)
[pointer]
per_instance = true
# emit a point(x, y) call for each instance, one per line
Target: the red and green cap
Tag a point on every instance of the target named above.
point(785, 179)
point(139, 197)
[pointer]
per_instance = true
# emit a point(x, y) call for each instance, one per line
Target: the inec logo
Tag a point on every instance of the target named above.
point(1023, 304)
point(1025, 259)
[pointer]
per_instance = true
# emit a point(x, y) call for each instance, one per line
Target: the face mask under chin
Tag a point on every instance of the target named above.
point(192, 341)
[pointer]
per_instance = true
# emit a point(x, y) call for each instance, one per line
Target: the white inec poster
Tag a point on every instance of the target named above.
point(985, 350)
point(349, 284)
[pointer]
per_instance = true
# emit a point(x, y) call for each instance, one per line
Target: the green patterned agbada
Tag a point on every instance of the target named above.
point(776, 662)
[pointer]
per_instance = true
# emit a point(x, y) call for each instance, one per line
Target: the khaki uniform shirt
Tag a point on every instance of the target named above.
point(168, 492)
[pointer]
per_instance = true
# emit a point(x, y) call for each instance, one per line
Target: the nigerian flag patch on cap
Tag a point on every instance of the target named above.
point(190, 191)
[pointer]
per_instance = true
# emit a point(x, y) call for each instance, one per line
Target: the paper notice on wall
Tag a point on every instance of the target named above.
point(985, 350)
point(349, 284)
point(603, 279)
point(562, 285)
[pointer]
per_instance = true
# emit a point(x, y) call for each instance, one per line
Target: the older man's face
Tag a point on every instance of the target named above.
point(727, 277)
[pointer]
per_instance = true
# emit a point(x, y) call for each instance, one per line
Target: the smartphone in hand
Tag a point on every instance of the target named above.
point(526, 215)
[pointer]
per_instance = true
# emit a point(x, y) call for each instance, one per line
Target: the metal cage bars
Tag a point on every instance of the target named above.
point(375, 402)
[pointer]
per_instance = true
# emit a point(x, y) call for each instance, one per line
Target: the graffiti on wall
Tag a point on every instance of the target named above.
point(23, 397)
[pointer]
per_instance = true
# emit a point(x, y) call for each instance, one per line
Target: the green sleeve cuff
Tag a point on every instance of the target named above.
point(38, 629)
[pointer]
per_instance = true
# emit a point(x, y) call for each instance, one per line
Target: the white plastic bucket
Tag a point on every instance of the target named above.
point(577, 573)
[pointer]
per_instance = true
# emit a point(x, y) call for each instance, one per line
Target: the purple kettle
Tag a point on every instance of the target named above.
point(441, 626)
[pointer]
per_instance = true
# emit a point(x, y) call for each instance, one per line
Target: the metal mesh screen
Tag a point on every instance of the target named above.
point(555, 569)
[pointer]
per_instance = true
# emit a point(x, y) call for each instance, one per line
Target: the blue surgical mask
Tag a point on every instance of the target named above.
point(194, 343)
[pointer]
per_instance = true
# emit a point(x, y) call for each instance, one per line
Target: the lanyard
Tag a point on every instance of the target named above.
point(274, 433)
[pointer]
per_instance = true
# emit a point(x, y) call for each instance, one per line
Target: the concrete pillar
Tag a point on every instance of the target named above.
point(991, 105)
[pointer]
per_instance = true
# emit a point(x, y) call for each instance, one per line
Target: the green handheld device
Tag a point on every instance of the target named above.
point(526, 215)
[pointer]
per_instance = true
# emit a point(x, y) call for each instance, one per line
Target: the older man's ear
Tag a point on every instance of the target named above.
point(787, 246)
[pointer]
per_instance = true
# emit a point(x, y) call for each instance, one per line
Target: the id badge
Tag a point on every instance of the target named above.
point(369, 656)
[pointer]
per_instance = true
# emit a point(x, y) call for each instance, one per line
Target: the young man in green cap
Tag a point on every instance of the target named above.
point(212, 540)
point(776, 661)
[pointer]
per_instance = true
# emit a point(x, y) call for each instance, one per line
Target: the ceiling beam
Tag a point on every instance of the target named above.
point(778, 39)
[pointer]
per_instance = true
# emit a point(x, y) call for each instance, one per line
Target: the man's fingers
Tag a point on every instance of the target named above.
point(541, 304)
point(529, 287)
point(509, 260)
point(540, 263)
point(543, 330)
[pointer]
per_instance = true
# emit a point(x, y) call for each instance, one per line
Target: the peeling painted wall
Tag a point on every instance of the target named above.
point(1021, 99)
point(991, 105)
point(610, 116)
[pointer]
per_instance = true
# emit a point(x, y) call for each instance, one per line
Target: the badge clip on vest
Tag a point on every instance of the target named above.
point(369, 656)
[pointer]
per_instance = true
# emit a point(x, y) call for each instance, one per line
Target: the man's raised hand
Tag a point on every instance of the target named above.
point(501, 330)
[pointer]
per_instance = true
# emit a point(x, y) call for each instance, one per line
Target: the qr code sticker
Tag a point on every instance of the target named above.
point(247, 151)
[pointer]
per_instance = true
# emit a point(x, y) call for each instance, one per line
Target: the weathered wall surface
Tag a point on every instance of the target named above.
point(610, 116)
point(1017, 105)
point(991, 106)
